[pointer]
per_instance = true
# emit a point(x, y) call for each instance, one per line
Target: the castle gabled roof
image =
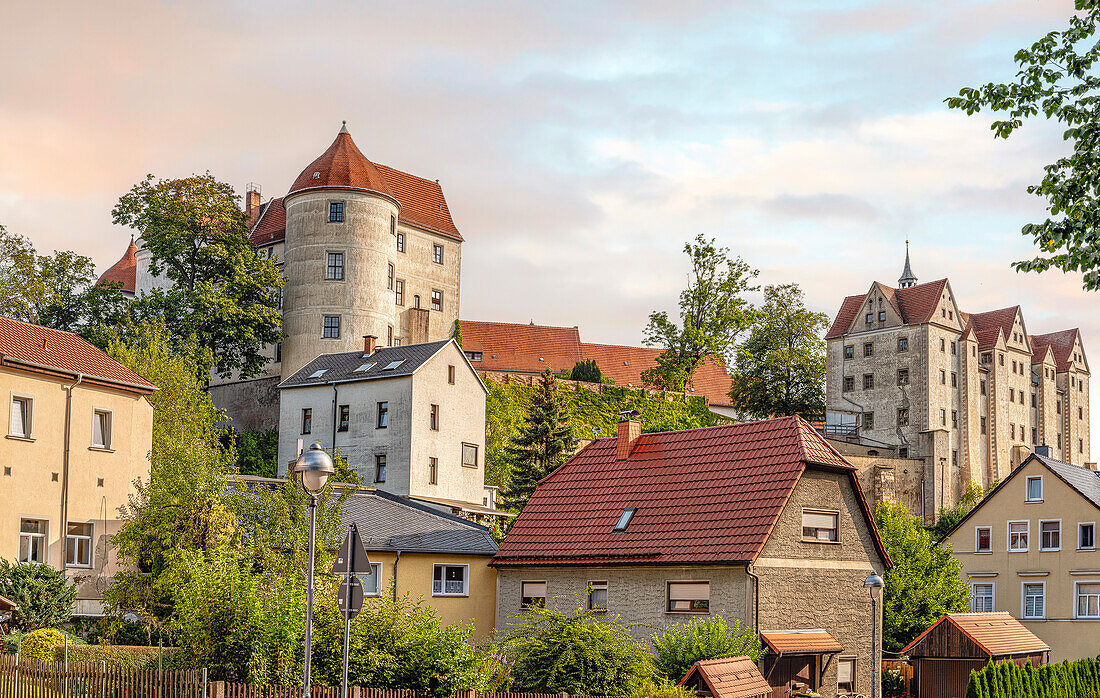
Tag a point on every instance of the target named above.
point(988, 325)
point(342, 166)
point(1061, 343)
point(915, 305)
point(124, 271)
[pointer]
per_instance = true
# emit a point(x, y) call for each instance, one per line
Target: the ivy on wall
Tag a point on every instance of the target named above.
point(508, 403)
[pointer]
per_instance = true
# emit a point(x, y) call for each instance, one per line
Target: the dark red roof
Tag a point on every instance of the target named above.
point(1061, 343)
point(533, 348)
point(801, 642)
point(702, 496)
point(344, 166)
point(990, 324)
point(271, 227)
point(124, 271)
point(915, 305)
point(40, 348)
point(732, 677)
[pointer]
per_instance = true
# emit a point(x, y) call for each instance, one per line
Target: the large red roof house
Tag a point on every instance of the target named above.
point(763, 522)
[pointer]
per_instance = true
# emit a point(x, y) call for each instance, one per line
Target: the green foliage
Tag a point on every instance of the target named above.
point(44, 595)
point(1057, 76)
point(543, 442)
point(924, 583)
point(456, 333)
point(126, 657)
point(713, 313)
point(57, 290)
point(662, 689)
point(580, 654)
point(224, 297)
point(1069, 679)
point(679, 646)
point(893, 684)
point(38, 645)
point(257, 452)
point(586, 371)
point(781, 365)
point(398, 643)
point(955, 513)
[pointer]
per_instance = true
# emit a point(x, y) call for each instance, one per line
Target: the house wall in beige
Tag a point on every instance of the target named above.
point(1058, 571)
point(100, 479)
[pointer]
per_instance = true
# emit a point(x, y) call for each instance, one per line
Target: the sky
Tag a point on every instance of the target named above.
point(579, 144)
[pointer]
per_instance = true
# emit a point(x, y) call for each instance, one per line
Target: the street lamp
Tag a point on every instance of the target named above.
point(874, 585)
point(313, 468)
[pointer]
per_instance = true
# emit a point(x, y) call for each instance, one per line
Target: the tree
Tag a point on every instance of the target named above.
point(545, 441)
point(957, 512)
point(678, 647)
point(257, 452)
point(221, 293)
point(924, 583)
point(44, 595)
point(713, 313)
point(781, 365)
point(58, 291)
point(1057, 76)
point(586, 371)
point(580, 654)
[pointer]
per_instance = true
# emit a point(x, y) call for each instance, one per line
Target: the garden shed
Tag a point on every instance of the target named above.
point(732, 677)
point(944, 655)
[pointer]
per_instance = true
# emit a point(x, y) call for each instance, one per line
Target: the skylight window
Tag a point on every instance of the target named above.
point(624, 520)
point(393, 364)
point(365, 367)
point(318, 374)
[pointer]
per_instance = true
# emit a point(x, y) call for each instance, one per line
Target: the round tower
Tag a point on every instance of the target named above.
point(339, 256)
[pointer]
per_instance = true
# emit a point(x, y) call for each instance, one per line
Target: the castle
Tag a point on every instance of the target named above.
point(366, 249)
point(910, 375)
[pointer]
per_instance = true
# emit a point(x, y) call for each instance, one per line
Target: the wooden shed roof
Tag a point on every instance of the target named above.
point(959, 634)
point(732, 677)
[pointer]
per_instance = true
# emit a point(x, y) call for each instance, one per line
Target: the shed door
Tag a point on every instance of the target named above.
point(793, 669)
point(944, 678)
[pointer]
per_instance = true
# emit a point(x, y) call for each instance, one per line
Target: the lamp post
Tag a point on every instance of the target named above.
point(874, 585)
point(313, 468)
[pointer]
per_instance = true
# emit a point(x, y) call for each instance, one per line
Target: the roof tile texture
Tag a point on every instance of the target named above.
point(1061, 343)
point(996, 633)
point(915, 305)
point(733, 677)
point(124, 271)
point(808, 642)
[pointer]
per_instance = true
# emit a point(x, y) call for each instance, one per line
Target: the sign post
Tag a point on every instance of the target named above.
point(350, 561)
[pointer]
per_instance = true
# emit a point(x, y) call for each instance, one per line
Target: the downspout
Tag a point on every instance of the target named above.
point(395, 561)
point(755, 599)
point(334, 400)
point(65, 467)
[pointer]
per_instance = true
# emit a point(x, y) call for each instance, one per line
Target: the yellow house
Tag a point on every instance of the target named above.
point(79, 434)
point(1029, 548)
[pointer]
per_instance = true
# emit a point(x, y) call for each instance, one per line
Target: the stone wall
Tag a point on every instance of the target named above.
point(252, 405)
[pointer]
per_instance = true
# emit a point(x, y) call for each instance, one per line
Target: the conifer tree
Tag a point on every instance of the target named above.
point(544, 442)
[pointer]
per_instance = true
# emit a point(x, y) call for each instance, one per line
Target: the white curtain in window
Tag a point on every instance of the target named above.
point(18, 418)
point(101, 429)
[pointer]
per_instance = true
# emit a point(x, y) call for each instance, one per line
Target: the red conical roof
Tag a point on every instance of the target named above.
point(124, 271)
point(342, 166)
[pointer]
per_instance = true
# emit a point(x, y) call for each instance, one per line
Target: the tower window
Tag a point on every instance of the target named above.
point(332, 327)
point(389, 277)
point(869, 349)
point(437, 254)
point(393, 224)
point(399, 291)
point(437, 299)
point(903, 344)
point(335, 269)
point(336, 212)
point(401, 242)
point(849, 352)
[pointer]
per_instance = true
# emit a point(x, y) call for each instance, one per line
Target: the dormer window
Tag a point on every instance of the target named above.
point(624, 520)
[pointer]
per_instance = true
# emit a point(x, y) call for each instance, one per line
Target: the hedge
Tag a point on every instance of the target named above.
point(38, 645)
point(125, 656)
point(1069, 679)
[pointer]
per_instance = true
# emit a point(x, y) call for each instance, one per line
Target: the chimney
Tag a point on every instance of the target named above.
point(1043, 450)
point(252, 203)
point(369, 342)
point(629, 431)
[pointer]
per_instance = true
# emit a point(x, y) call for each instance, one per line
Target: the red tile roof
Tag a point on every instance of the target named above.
point(42, 349)
point(915, 305)
point(1061, 343)
point(124, 271)
point(998, 634)
point(534, 348)
point(990, 324)
point(706, 495)
point(344, 166)
point(801, 642)
point(733, 677)
point(271, 226)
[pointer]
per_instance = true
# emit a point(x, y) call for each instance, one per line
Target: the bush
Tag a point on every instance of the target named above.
point(586, 371)
point(1009, 680)
point(678, 647)
point(580, 654)
point(44, 595)
point(124, 656)
point(38, 645)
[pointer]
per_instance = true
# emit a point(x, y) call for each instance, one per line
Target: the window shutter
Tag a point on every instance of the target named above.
point(688, 591)
point(535, 590)
point(844, 670)
point(812, 520)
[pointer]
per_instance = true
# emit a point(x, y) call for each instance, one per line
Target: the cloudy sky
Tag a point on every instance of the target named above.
point(580, 144)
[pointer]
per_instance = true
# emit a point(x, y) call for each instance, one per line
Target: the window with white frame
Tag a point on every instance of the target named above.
point(78, 545)
point(597, 596)
point(451, 580)
point(437, 254)
point(1034, 489)
point(1086, 536)
point(981, 597)
point(983, 539)
point(532, 594)
point(101, 429)
point(819, 525)
point(1034, 599)
point(1017, 536)
point(372, 581)
point(689, 597)
point(1088, 599)
point(1050, 535)
point(846, 674)
point(20, 423)
point(32, 540)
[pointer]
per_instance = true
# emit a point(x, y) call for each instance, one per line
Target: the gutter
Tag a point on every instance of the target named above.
point(755, 601)
point(143, 388)
point(65, 467)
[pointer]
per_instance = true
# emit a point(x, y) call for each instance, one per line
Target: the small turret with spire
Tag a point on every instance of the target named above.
point(907, 278)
